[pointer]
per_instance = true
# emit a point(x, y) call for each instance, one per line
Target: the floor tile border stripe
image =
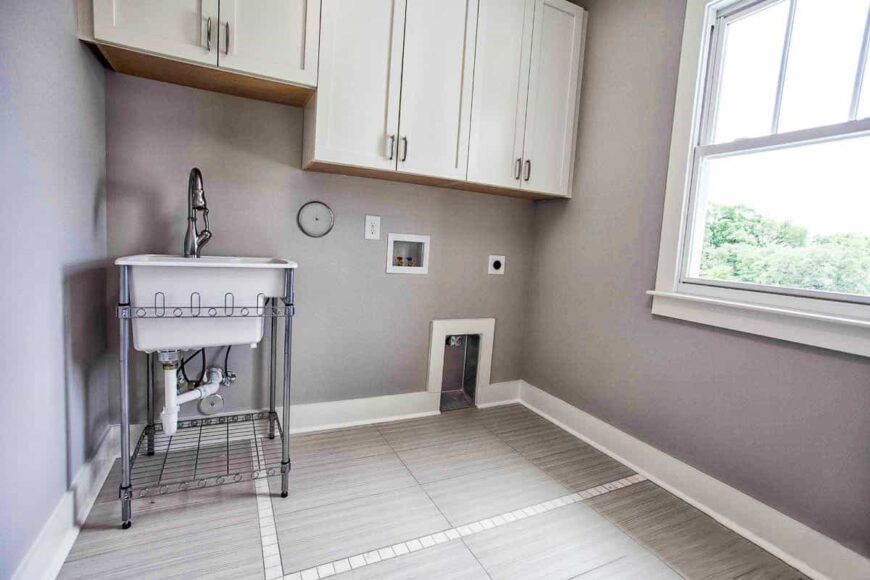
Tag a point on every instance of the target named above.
point(342, 565)
point(272, 567)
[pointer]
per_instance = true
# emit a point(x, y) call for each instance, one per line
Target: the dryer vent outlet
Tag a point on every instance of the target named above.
point(496, 265)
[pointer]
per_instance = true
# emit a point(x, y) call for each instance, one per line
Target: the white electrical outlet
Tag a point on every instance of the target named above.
point(373, 227)
point(497, 265)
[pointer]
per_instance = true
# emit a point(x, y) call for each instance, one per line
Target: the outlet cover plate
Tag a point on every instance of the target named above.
point(373, 227)
point(497, 265)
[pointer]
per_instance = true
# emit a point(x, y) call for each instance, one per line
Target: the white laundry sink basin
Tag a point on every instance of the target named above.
point(179, 303)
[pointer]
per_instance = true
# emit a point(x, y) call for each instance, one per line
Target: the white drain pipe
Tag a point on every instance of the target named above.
point(172, 400)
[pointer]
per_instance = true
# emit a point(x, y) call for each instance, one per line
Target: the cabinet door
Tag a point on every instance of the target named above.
point(174, 28)
point(554, 85)
point(270, 38)
point(357, 107)
point(436, 87)
point(501, 82)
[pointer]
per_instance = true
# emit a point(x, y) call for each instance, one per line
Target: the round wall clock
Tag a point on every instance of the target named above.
point(315, 219)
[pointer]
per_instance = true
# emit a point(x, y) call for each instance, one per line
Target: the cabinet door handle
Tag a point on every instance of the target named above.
point(528, 170)
point(391, 148)
point(404, 149)
point(208, 34)
point(227, 46)
point(518, 168)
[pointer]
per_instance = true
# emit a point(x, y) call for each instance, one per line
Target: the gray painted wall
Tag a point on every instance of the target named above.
point(358, 331)
point(53, 403)
point(786, 424)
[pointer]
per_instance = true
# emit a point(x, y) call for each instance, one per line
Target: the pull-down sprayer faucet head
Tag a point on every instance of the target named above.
point(194, 240)
point(197, 191)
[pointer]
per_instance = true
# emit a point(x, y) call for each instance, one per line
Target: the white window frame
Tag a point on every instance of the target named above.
point(828, 320)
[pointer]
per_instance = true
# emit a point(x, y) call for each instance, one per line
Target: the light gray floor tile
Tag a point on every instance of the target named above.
point(437, 430)
point(692, 543)
point(336, 446)
point(510, 418)
point(559, 544)
point(208, 533)
point(541, 440)
point(351, 493)
point(483, 494)
point(451, 561)
point(581, 467)
point(640, 566)
point(459, 457)
point(320, 535)
point(327, 483)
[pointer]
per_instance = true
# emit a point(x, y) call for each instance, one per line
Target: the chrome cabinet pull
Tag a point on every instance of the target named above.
point(518, 168)
point(404, 149)
point(227, 47)
point(392, 148)
point(528, 169)
point(208, 34)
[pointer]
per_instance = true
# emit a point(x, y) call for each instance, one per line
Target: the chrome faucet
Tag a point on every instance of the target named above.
point(194, 240)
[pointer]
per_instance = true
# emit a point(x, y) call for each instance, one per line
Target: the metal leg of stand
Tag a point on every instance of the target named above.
point(273, 366)
point(149, 373)
point(125, 490)
point(285, 423)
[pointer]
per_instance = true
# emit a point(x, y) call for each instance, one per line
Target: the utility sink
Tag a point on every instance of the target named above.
point(179, 303)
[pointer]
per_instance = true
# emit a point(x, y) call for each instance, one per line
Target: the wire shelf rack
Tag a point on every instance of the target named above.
point(265, 308)
point(206, 453)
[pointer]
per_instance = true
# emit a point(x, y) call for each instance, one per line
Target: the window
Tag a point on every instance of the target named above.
point(768, 202)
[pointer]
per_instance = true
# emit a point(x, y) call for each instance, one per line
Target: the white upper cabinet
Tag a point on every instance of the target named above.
point(386, 60)
point(526, 95)
point(553, 105)
point(270, 38)
point(474, 94)
point(436, 87)
point(175, 28)
point(501, 77)
point(354, 118)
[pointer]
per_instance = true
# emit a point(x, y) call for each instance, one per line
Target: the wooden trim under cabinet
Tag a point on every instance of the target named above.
point(199, 77)
point(389, 175)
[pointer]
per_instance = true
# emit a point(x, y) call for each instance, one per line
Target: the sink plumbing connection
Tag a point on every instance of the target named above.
point(205, 389)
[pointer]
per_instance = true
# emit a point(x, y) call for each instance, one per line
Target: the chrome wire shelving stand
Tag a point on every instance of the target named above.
point(205, 453)
point(214, 450)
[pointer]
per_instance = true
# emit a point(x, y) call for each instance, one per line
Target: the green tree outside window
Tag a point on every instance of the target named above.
point(741, 245)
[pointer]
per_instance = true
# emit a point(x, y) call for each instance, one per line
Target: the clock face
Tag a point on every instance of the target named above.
point(315, 219)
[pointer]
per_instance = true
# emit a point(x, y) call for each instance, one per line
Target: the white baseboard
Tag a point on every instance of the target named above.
point(368, 411)
point(807, 550)
point(46, 555)
point(498, 394)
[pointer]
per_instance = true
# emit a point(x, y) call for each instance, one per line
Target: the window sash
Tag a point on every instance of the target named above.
point(705, 149)
point(744, 9)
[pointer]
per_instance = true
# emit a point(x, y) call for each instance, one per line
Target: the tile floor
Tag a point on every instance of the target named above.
point(495, 493)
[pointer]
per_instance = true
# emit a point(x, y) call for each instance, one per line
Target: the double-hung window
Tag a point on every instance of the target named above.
point(767, 214)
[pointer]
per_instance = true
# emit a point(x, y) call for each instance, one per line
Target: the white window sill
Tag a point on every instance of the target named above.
point(834, 332)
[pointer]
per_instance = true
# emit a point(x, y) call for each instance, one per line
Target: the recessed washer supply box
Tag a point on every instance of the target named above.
point(401, 247)
point(204, 291)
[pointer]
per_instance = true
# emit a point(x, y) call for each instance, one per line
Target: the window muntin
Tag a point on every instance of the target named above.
point(823, 56)
point(749, 78)
point(785, 151)
point(863, 105)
